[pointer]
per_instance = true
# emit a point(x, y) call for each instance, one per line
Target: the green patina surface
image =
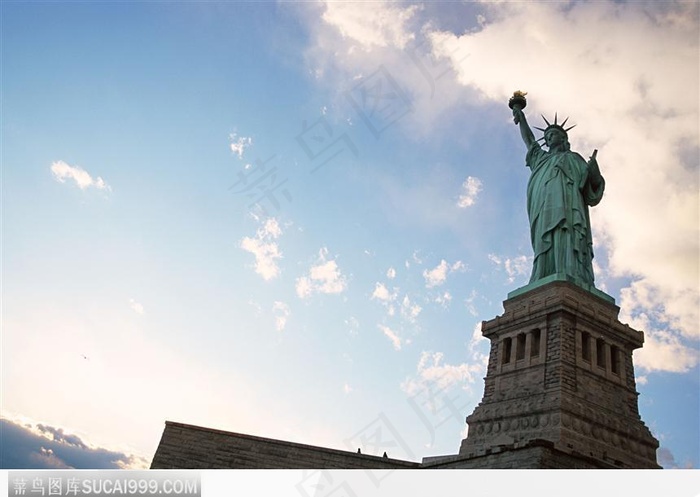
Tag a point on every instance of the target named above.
point(561, 188)
point(560, 277)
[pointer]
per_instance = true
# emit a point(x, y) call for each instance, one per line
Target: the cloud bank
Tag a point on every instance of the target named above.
point(39, 446)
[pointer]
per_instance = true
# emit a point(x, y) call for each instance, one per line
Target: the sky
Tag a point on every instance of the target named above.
point(289, 219)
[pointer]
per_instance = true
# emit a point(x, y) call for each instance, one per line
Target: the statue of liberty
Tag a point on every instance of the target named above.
point(562, 186)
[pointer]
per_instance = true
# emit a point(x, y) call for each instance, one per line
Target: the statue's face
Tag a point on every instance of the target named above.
point(554, 138)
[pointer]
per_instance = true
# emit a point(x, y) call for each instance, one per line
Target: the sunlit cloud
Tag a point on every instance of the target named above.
point(239, 144)
point(382, 294)
point(265, 249)
point(664, 351)
point(281, 311)
point(370, 25)
point(514, 267)
point(391, 335)
point(668, 338)
point(469, 302)
point(470, 190)
point(63, 171)
point(438, 275)
point(410, 310)
point(324, 277)
point(444, 299)
point(477, 344)
point(432, 372)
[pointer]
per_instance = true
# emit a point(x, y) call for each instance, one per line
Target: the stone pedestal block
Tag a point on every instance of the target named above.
point(560, 370)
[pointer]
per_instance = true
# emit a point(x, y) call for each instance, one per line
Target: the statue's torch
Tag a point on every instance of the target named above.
point(517, 102)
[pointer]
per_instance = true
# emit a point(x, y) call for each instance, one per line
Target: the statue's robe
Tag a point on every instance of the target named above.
point(558, 195)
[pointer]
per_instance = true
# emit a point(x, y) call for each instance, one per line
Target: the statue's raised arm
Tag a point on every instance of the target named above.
point(561, 187)
point(517, 102)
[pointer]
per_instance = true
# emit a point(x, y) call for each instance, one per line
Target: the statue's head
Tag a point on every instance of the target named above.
point(555, 134)
point(556, 137)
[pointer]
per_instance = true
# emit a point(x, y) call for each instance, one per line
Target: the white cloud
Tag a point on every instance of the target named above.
point(391, 273)
point(644, 305)
point(415, 258)
point(324, 277)
point(382, 294)
point(391, 335)
point(304, 287)
point(281, 312)
point(458, 266)
point(371, 24)
point(475, 344)
point(665, 352)
point(135, 306)
point(346, 388)
point(63, 171)
point(438, 275)
point(667, 335)
point(433, 374)
point(239, 144)
point(265, 249)
point(519, 265)
point(444, 299)
point(409, 310)
point(470, 190)
point(469, 302)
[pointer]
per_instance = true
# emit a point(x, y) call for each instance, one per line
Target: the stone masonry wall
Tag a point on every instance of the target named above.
point(565, 375)
point(538, 454)
point(185, 446)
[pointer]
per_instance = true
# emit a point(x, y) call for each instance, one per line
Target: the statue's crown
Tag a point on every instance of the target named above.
point(555, 125)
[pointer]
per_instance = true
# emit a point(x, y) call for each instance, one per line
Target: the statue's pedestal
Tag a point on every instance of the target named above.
point(560, 277)
point(560, 377)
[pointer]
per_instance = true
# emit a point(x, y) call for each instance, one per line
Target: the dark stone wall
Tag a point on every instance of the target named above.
point(185, 446)
point(537, 454)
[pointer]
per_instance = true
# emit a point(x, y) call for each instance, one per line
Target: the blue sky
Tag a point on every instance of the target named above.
point(289, 219)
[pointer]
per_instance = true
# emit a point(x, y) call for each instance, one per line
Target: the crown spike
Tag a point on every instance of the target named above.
point(564, 123)
point(555, 118)
point(541, 129)
point(545, 120)
point(570, 127)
